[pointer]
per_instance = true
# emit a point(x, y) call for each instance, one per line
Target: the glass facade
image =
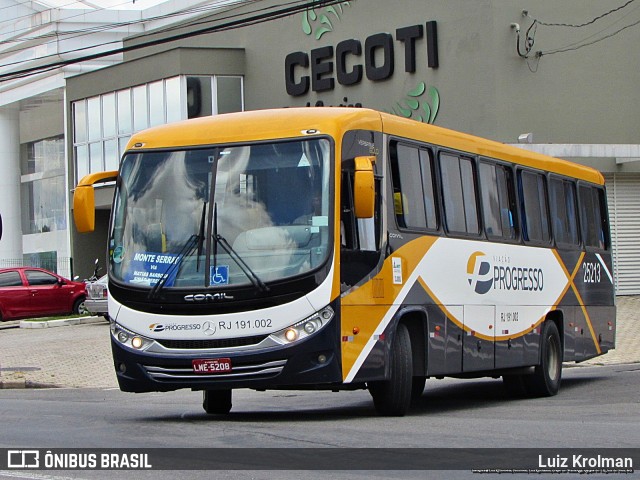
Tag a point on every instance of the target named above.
point(102, 125)
point(46, 260)
point(43, 186)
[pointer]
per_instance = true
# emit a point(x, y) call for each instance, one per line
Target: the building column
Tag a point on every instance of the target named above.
point(10, 201)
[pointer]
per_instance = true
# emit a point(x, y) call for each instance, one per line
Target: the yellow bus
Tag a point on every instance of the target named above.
point(344, 248)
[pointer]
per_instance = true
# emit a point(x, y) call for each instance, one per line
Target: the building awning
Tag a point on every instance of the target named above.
point(622, 153)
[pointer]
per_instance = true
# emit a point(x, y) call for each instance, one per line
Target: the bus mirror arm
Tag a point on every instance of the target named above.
point(364, 187)
point(84, 205)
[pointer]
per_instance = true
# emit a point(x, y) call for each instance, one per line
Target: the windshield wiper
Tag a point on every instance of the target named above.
point(189, 246)
point(246, 269)
point(212, 233)
point(220, 240)
point(186, 250)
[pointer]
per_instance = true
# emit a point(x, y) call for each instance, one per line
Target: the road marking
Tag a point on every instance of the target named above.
point(32, 476)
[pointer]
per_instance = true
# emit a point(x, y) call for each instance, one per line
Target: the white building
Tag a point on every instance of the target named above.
point(35, 185)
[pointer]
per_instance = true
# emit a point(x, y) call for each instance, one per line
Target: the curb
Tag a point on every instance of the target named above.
point(13, 380)
point(62, 322)
point(19, 383)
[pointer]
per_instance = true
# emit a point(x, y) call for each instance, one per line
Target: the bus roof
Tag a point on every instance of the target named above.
point(297, 122)
point(258, 125)
point(444, 137)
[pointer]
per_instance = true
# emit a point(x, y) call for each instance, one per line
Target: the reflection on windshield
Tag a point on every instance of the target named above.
point(271, 209)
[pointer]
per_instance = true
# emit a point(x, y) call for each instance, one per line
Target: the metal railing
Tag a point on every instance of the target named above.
point(61, 265)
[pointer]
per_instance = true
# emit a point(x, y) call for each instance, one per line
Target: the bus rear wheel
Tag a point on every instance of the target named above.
point(216, 401)
point(545, 381)
point(392, 397)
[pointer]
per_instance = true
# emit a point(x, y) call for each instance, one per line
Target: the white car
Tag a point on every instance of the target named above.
point(96, 301)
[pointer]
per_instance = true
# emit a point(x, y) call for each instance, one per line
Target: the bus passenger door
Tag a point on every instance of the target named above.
point(360, 238)
point(478, 338)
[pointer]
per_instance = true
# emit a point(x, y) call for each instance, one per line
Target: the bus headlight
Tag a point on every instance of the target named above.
point(129, 338)
point(291, 334)
point(306, 327)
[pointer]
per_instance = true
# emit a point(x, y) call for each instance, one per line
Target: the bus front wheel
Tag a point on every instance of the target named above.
point(545, 381)
point(216, 401)
point(392, 397)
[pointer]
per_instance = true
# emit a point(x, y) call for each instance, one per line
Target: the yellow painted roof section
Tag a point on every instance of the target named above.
point(334, 121)
point(258, 125)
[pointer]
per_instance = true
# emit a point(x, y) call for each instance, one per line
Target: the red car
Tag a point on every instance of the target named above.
point(27, 292)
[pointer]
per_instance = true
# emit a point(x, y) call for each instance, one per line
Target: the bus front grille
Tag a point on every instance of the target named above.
point(204, 344)
point(239, 372)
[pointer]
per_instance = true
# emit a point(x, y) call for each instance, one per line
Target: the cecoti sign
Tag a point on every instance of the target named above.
point(315, 70)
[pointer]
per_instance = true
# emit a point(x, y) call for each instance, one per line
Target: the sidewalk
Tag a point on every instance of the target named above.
point(627, 335)
point(79, 355)
point(74, 355)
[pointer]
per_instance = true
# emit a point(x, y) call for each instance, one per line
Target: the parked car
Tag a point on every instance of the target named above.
point(96, 303)
point(28, 292)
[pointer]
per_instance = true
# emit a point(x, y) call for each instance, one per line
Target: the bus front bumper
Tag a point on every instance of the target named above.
point(313, 362)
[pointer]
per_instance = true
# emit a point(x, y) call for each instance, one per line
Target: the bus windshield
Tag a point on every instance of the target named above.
point(221, 216)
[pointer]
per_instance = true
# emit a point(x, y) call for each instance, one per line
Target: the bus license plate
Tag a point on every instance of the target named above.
point(212, 365)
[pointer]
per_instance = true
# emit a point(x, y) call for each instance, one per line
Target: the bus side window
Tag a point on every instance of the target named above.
point(413, 187)
point(459, 194)
point(564, 215)
point(498, 201)
point(535, 227)
point(593, 217)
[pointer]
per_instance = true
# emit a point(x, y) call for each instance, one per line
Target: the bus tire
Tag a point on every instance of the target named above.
point(216, 401)
point(545, 381)
point(392, 397)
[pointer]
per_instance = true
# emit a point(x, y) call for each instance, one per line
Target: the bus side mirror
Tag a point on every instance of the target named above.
point(84, 204)
point(364, 187)
point(84, 209)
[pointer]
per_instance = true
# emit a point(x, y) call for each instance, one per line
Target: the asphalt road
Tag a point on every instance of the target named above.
point(597, 407)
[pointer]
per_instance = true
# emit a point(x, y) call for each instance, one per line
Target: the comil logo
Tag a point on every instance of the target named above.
point(479, 271)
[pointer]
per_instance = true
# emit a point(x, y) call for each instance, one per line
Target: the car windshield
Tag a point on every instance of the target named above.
point(221, 216)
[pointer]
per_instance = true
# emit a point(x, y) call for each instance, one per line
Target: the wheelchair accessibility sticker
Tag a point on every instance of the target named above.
point(219, 275)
